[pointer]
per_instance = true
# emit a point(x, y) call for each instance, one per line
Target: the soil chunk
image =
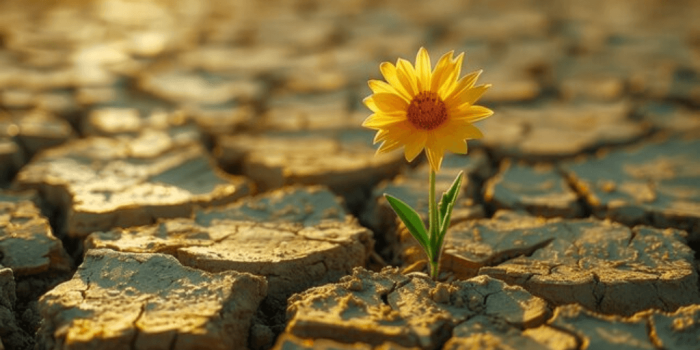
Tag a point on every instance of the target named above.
point(651, 329)
point(35, 130)
point(309, 112)
point(656, 183)
point(99, 183)
point(601, 265)
point(215, 120)
point(24, 133)
point(483, 332)
point(297, 237)
point(148, 301)
point(289, 342)
point(116, 122)
point(540, 190)
point(191, 87)
point(669, 116)
point(554, 131)
point(27, 244)
point(678, 330)
point(410, 311)
point(347, 164)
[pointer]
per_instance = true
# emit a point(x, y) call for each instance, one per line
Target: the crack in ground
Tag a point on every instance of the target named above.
point(173, 342)
point(438, 337)
point(633, 235)
point(651, 333)
point(598, 290)
point(532, 250)
point(586, 208)
point(486, 298)
point(395, 286)
point(479, 183)
point(132, 342)
point(659, 295)
point(651, 216)
point(579, 340)
point(508, 255)
point(385, 299)
point(83, 292)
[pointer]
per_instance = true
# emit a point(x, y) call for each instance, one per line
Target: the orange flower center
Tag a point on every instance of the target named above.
point(427, 111)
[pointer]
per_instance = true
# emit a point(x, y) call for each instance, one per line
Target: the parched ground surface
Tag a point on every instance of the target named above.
point(179, 174)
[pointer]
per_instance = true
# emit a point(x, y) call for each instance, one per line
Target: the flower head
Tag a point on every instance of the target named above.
point(422, 109)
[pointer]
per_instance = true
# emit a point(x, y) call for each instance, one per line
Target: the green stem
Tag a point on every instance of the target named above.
point(433, 256)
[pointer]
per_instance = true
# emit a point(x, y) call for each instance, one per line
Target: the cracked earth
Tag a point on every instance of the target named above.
point(178, 174)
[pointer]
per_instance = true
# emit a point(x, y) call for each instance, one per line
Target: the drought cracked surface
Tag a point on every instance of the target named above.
point(603, 266)
point(136, 301)
point(296, 237)
point(177, 174)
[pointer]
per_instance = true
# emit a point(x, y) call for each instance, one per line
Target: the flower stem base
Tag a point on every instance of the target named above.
point(434, 270)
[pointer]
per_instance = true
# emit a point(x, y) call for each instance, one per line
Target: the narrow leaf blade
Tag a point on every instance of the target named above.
point(411, 219)
point(449, 198)
point(444, 227)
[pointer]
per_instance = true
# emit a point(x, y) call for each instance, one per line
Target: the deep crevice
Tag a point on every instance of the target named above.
point(132, 342)
point(577, 338)
point(659, 296)
point(385, 298)
point(28, 290)
point(598, 291)
point(633, 235)
point(510, 255)
point(272, 313)
point(173, 342)
point(586, 208)
point(495, 164)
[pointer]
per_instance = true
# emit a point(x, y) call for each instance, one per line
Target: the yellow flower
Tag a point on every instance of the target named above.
point(420, 109)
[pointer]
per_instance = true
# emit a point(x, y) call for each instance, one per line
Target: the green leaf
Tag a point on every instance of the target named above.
point(448, 199)
point(411, 219)
point(447, 203)
point(443, 230)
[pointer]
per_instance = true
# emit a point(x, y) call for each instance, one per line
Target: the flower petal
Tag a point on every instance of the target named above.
point(415, 146)
point(381, 121)
point(471, 114)
point(407, 76)
point(469, 132)
point(470, 96)
point(464, 84)
point(388, 146)
point(441, 71)
point(382, 134)
point(452, 137)
point(423, 69)
point(399, 131)
point(455, 145)
point(378, 86)
point(450, 79)
point(391, 75)
point(390, 103)
point(458, 129)
point(435, 152)
point(369, 102)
